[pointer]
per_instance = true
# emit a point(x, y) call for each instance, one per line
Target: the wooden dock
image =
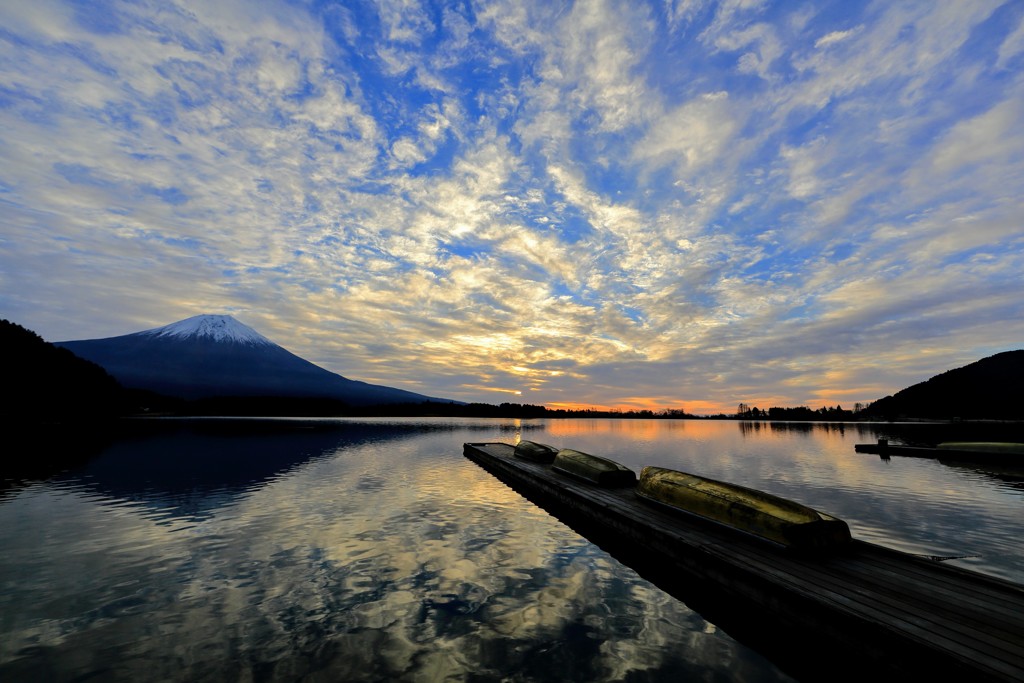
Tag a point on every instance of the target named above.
point(863, 611)
point(885, 450)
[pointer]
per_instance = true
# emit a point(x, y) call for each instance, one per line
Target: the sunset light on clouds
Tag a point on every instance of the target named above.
point(608, 204)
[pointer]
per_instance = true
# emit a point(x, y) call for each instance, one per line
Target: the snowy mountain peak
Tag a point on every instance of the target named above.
point(222, 328)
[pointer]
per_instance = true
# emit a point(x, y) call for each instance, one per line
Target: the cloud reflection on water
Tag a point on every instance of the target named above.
point(383, 558)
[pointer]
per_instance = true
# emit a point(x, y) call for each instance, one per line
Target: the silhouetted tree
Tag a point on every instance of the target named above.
point(44, 383)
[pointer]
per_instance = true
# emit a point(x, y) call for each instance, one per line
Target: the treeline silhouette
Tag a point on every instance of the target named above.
point(986, 389)
point(799, 413)
point(299, 407)
point(47, 384)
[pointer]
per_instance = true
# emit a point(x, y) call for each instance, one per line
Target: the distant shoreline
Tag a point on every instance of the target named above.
point(597, 415)
point(65, 444)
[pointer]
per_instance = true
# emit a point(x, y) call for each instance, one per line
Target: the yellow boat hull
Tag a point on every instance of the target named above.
point(593, 468)
point(536, 452)
point(781, 521)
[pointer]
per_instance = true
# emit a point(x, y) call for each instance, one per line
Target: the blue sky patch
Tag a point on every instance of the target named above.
point(686, 182)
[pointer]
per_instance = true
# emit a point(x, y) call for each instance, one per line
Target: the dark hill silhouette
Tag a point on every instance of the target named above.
point(43, 383)
point(986, 389)
point(215, 356)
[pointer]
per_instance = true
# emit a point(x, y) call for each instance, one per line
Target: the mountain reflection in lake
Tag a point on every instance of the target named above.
point(372, 550)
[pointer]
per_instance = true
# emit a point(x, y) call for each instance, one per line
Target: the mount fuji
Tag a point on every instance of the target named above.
point(215, 356)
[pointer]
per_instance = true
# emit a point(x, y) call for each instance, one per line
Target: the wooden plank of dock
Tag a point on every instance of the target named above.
point(881, 612)
point(886, 450)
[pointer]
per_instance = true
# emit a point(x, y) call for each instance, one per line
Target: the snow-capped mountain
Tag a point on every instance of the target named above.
point(216, 356)
point(222, 328)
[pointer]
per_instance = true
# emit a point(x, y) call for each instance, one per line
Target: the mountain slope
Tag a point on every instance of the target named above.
point(210, 356)
point(48, 384)
point(988, 388)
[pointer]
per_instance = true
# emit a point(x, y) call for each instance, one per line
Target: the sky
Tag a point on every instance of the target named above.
point(674, 204)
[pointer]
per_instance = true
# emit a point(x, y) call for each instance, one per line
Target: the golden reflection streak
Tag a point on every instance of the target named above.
point(653, 430)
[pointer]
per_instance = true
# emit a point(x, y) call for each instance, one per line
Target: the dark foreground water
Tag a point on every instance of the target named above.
point(373, 551)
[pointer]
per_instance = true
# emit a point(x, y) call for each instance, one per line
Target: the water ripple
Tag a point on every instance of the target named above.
point(375, 551)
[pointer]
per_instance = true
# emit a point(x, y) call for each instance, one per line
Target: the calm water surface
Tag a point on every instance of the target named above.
point(373, 550)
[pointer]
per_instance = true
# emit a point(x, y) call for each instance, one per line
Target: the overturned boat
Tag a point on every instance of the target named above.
point(593, 468)
point(781, 521)
point(536, 452)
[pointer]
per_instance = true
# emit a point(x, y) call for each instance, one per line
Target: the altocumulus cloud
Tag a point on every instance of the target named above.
point(600, 203)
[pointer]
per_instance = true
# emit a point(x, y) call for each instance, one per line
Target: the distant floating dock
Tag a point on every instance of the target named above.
point(990, 453)
point(863, 610)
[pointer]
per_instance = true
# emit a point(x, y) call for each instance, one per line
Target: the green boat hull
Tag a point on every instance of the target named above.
point(593, 468)
point(536, 452)
point(781, 521)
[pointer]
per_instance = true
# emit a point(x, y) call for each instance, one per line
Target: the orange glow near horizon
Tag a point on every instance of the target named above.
point(655, 405)
point(697, 407)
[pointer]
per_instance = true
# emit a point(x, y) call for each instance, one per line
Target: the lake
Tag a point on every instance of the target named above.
point(372, 550)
